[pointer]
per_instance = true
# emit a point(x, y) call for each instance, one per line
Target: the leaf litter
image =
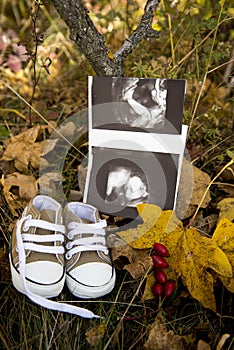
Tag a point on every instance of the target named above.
point(192, 256)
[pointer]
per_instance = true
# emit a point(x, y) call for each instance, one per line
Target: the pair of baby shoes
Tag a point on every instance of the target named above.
point(52, 246)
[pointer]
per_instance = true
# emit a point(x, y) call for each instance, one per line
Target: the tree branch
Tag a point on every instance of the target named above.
point(91, 43)
point(144, 30)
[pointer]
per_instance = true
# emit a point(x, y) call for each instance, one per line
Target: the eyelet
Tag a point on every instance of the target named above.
point(25, 226)
point(68, 256)
point(69, 245)
point(70, 236)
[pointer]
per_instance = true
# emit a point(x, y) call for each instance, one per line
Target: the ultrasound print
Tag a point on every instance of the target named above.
point(126, 186)
point(145, 99)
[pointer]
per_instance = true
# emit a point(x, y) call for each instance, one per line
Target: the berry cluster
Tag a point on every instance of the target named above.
point(162, 287)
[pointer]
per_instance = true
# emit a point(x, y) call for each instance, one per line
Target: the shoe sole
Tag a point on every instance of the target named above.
point(46, 291)
point(85, 292)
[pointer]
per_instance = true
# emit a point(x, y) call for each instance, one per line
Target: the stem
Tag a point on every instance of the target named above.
point(34, 17)
point(171, 39)
point(207, 68)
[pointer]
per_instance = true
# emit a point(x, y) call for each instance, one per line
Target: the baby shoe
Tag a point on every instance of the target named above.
point(37, 255)
point(89, 271)
point(37, 243)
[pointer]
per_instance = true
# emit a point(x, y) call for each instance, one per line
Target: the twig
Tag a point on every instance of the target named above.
point(91, 43)
point(144, 30)
point(33, 56)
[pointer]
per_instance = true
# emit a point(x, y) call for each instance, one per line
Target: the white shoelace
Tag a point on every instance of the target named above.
point(21, 246)
point(95, 241)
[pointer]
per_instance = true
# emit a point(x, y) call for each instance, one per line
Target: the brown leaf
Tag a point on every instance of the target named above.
point(24, 148)
point(95, 335)
point(160, 338)
point(222, 341)
point(122, 256)
point(193, 184)
point(18, 189)
point(140, 267)
point(226, 207)
point(202, 345)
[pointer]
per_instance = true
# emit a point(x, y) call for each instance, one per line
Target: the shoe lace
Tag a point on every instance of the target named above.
point(94, 240)
point(21, 246)
point(30, 241)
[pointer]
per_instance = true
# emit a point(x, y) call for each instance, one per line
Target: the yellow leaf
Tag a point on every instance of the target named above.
point(148, 292)
point(224, 238)
point(226, 207)
point(24, 148)
point(190, 253)
point(156, 224)
point(192, 256)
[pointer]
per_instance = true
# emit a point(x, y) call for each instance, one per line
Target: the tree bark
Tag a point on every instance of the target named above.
point(91, 43)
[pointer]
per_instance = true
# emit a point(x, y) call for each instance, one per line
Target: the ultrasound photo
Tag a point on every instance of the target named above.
point(137, 104)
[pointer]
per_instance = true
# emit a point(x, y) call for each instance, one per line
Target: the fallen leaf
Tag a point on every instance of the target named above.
point(191, 257)
point(24, 148)
point(191, 254)
point(202, 345)
point(224, 238)
point(18, 189)
point(122, 255)
point(140, 267)
point(205, 224)
point(160, 338)
point(193, 184)
point(226, 207)
point(222, 341)
point(48, 179)
point(228, 188)
point(95, 335)
point(156, 224)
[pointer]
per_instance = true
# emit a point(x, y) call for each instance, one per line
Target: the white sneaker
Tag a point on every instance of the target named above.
point(89, 271)
point(37, 255)
point(37, 243)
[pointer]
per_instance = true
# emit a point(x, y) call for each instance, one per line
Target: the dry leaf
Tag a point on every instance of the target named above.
point(193, 184)
point(160, 338)
point(226, 207)
point(18, 189)
point(47, 180)
point(190, 253)
point(95, 335)
point(122, 256)
point(224, 238)
point(24, 148)
point(140, 267)
point(228, 188)
point(222, 341)
point(202, 345)
point(65, 130)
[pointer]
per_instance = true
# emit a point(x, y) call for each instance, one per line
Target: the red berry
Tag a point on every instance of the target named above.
point(159, 262)
point(160, 276)
point(157, 289)
point(161, 250)
point(169, 288)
